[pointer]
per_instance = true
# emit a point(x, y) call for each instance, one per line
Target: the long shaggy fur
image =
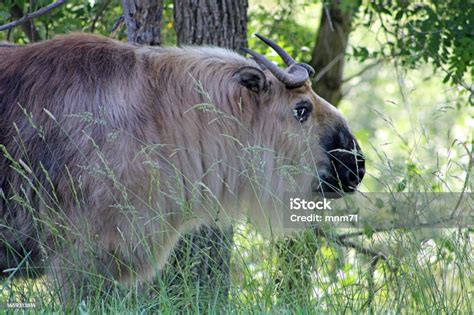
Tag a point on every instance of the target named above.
point(111, 151)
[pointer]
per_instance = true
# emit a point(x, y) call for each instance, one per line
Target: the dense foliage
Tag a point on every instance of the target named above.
point(437, 32)
point(408, 78)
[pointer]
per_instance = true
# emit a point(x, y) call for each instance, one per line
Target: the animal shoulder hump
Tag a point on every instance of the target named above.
point(88, 55)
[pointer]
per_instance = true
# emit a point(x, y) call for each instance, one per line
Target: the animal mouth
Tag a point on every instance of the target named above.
point(345, 167)
point(337, 183)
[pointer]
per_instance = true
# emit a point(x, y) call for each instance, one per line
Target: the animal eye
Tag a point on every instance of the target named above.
point(302, 111)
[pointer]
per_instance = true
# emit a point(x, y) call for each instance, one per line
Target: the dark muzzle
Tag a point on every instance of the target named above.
point(347, 164)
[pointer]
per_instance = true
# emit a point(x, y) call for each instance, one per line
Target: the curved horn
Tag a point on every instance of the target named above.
point(280, 51)
point(284, 55)
point(308, 68)
point(294, 76)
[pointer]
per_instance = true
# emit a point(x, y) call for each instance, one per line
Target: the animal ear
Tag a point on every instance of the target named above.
point(251, 78)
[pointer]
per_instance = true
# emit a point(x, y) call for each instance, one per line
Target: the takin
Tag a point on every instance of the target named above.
point(109, 151)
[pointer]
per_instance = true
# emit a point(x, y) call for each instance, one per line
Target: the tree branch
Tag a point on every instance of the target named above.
point(341, 240)
point(363, 250)
point(28, 27)
point(117, 24)
point(32, 15)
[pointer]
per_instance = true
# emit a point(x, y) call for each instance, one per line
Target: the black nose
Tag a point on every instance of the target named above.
point(348, 169)
point(351, 179)
point(347, 164)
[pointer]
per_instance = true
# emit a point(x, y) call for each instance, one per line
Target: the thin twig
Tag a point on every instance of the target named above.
point(33, 15)
point(371, 283)
point(362, 71)
point(99, 14)
point(341, 240)
point(466, 180)
point(359, 248)
point(117, 24)
point(328, 15)
point(28, 27)
point(352, 234)
point(328, 67)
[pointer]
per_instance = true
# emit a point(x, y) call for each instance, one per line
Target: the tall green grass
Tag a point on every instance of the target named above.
point(332, 271)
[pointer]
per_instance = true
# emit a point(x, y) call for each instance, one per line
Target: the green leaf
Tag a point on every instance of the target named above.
point(368, 231)
point(401, 185)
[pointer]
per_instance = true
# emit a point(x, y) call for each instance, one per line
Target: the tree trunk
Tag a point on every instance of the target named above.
point(328, 61)
point(201, 260)
point(143, 19)
point(211, 22)
point(329, 50)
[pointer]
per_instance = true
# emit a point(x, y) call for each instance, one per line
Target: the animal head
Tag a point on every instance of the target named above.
point(308, 130)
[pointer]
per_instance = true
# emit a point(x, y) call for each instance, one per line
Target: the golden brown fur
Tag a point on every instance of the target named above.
point(112, 151)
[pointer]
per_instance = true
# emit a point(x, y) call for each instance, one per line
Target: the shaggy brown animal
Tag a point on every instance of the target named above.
point(111, 151)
